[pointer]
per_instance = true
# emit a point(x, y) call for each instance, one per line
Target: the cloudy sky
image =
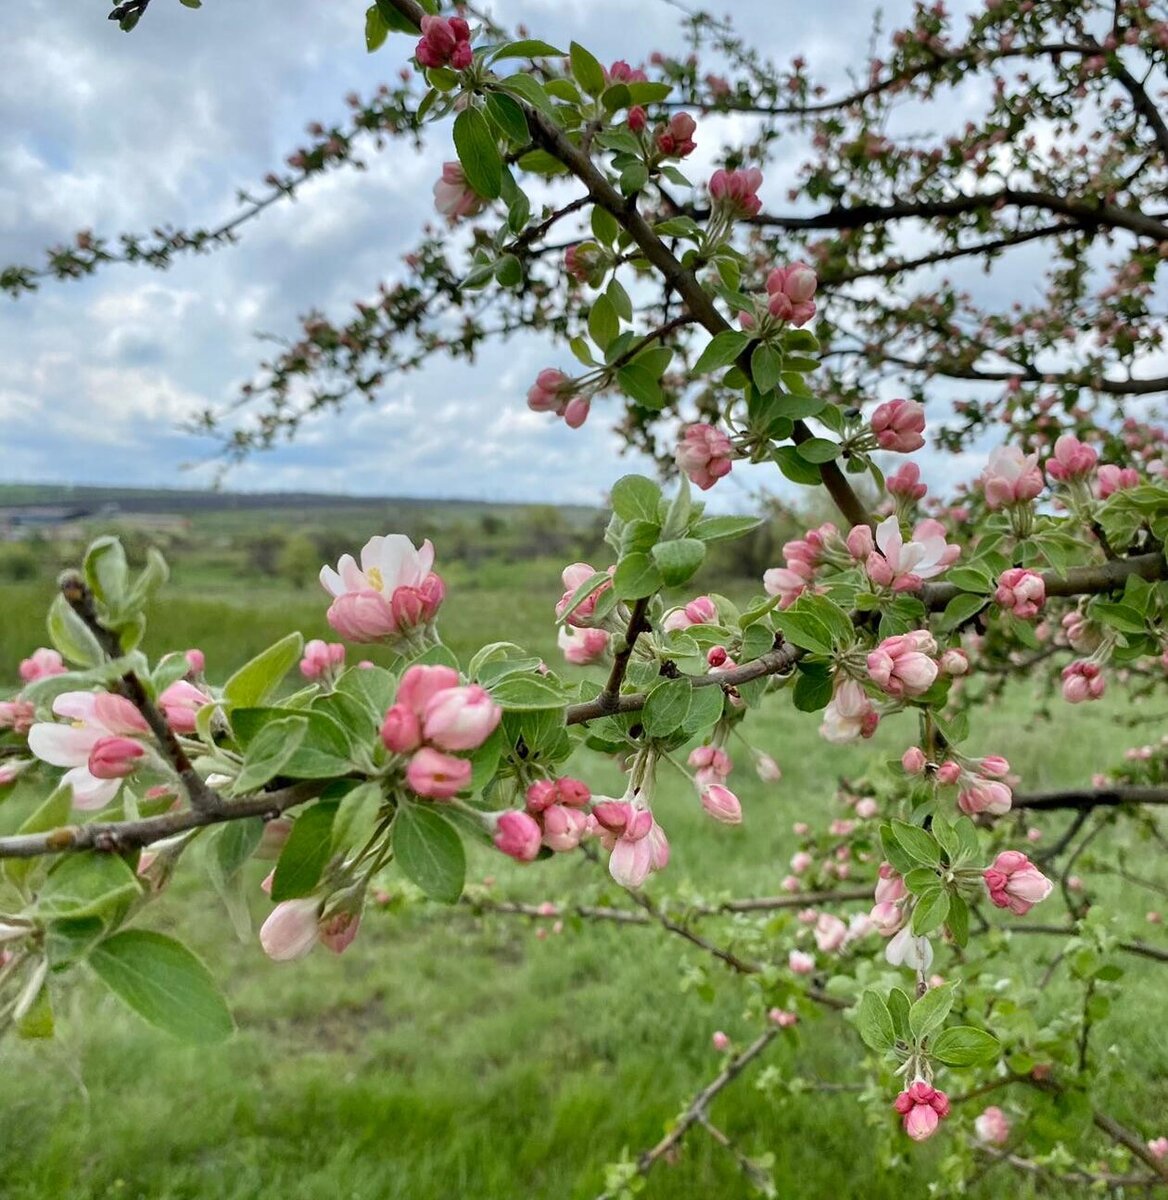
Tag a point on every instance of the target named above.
point(111, 132)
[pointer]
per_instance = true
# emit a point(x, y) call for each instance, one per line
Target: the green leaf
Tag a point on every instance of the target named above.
point(917, 843)
point(637, 576)
point(306, 852)
point(957, 920)
point(929, 1012)
point(37, 1021)
point(641, 385)
point(818, 450)
point(395, 21)
point(721, 351)
point(588, 73)
point(527, 48)
point(804, 629)
point(528, 88)
point(898, 1006)
point(87, 885)
point(523, 693)
point(649, 93)
point(429, 852)
point(270, 751)
point(605, 228)
point(714, 529)
point(478, 153)
point(666, 707)
point(324, 753)
point(356, 816)
point(964, 1046)
point(678, 559)
point(71, 636)
point(970, 579)
point(634, 496)
point(164, 983)
point(51, 814)
point(795, 467)
point(236, 843)
point(874, 1022)
point(765, 368)
point(961, 609)
point(257, 680)
point(376, 30)
point(813, 687)
point(1118, 616)
point(603, 323)
point(931, 909)
point(106, 571)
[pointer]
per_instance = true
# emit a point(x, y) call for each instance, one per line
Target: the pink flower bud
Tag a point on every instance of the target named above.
point(985, 796)
point(180, 704)
point(637, 118)
point(445, 43)
point(1022, 592)
point(900, 667)
point(460, 718)
point(17, 715)
point(913, 760)
point(1110, 479)
point(705, 454)
point(454, 198)
point(437, 776)
point(898, 426)
point(886, 918)
point(114, 757)
point(867, 808)
point(736, 192)
point(905, 482)
point(720, 1041)
point(1010, 478)
point(830, 933)
point(42, 663)
point(890, 886)
point(922, 1108)
point(291, 929)
point(948, 773)
point(1082, 680)
point(722, 804)
point(563, 828)
point(1014, 882)
point(401, 731)
point(420, 684)
point(1159, 1147)
point(321, 658)
point(954, 662)
point(800, 963)
point(1072, 459)
point(518, 835)
point(196, 661)
point(783, 1018)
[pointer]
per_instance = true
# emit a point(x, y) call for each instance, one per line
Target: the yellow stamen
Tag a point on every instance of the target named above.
point(373, 574)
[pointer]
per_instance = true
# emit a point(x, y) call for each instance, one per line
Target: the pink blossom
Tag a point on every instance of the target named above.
point(830, 933)
point(736, 192)
point(922, 1106)
point(583, 647)
point(984, 796)
point(518, 835)
point(42, 663)
point(17, 715)
point(574, 576)
point(783, 1018)
point(393, 591)
point(1010, 477)
point(460, 718)
point(321, 658)
point(196, 660)
point(1014, 882)
point(401, 730)
point(913, 760)
point(550, 392)
point(801, 861)
point(635, 855)
point(905, 949)
point(699, 611)
point(704, 454)
point(180, 704)
point(291, 929)
point(800, 962)
point(1111, 479)
point(789, 292)
point(621, 72)
point(905, 482)
point(114, 757)
point(720, 1041)
point(887, 918)
point(1022, 592)
point(904, 566)
point(954, 662)
point(1072, 459)
point(860, 542)
point(949, 772)
point(890, 887)
point(766, 768)
point(92, 717)
point(867, 808)
point(564, 828)
point(1159, 1147)
point(788, 585)
point(445, 43)
point(901, 665)
point(437, 776)
point(898, 426)
point(849, 715)
point(454, 198)
point(637, 119)
point(421, 683)
point(338, 930)
point(675, 140)
point(1082, 680)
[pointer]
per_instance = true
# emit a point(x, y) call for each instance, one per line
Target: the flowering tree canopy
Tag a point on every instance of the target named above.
point(776, 331)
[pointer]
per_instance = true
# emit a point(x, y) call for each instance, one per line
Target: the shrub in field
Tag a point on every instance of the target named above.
point(900, 918)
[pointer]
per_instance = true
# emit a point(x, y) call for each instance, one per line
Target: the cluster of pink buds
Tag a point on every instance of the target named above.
point(1011, 478)
point(1014, 882)
point(586, 262)
point(582, 647)
point(554, 817)
point(675, 139)
point(294, 927)
point(712, 766)
point(903, 566)
point(1022, 592)
point(789, 292)
point(898, 425)
point(445, 43)
point(1082, 634)
point(637, 844)
point(705, 454)
point(454, 198)
point(735, 193)
point(905, 484)
point(322, 659)
point(1083, 680)
point(392, 596)
point(888, 912)
point(699, 611)
point(17, 715)
point(582, 616)
point(922, 1106)
point(1072, 461)
point(433, 719)
point(803, 557)
point(1110, 479)
point(42, 663)
point(621, 72)
point(554, 392)
point(980, 781)
point(902, 665)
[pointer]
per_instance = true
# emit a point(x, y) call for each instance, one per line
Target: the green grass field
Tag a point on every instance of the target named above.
point(448, 1055)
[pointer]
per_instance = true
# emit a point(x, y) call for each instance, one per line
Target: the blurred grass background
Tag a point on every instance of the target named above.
point(447, 1054)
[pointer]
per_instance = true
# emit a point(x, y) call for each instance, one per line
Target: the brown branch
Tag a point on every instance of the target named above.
point(695, 1111)
point(1091, 798)
point(609, 699)
point(1125, 1137)
point(80, 599)
point(1141, 949)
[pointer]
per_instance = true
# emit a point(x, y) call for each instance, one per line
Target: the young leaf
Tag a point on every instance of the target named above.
point(164, 983)
point(258, 679)
point(929, 1012)
point(666, 707)
point(678, 559)
point(874, 1022)
point(964, 1046)
point(721, 351)
point(86, 885)
point(917, 843)
point(478, 153)
point(588, 73)
point(306, 852)
point(429, 852)
point(271, 750)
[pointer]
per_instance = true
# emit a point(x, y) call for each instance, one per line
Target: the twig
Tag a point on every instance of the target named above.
point(609, 699)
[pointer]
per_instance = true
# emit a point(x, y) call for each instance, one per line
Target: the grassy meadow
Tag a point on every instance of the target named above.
point(451, 1055)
